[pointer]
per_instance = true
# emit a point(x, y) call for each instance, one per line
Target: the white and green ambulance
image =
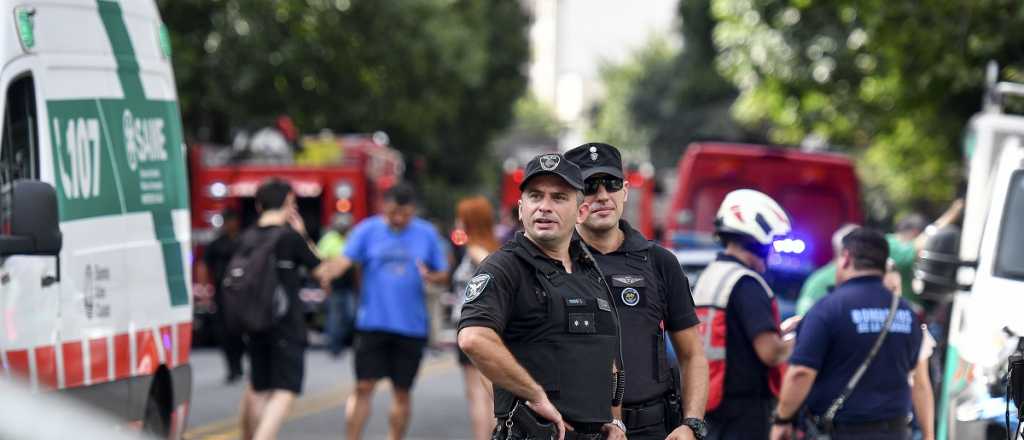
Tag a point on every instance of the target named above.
point(94, 225)
point(982, 272)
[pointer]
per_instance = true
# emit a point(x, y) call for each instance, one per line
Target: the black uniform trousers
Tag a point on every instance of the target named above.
point(741, 419)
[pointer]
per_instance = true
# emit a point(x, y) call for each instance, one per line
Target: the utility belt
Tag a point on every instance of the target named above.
point(667, 409)
point(817, 430)
point(522, 423)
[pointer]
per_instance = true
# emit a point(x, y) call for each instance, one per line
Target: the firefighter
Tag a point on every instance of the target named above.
point(740, 318)
point(538, 319)
point(653, 297)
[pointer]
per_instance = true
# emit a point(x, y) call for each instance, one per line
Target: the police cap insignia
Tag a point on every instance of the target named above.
point(549, 162)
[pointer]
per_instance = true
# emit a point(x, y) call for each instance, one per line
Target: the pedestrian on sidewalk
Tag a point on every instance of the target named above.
point(475, 216)
point(398, 253)
point(216, 259)
point(341, 301)
point(277, 355)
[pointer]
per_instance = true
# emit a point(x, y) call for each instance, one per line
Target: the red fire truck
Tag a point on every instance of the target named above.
point(330, 174)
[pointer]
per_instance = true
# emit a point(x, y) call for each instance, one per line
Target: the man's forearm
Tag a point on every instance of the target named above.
point(924, 400)
point(795, 388)
point(693, 372)
point(487, 351)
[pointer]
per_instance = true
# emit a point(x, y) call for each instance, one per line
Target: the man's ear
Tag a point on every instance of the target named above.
point(845, 259)
point(519, 211)
point(582, 213)
point(625, 190)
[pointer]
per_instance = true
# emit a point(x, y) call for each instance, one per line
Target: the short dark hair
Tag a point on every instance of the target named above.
point(272, 194)
point(868, 249)
point(402, 194)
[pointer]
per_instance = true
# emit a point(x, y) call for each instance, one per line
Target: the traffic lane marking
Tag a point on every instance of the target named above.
point(228, 428)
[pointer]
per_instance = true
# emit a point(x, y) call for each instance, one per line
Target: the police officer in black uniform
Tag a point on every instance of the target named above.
point(538, 319)
point(653, 297)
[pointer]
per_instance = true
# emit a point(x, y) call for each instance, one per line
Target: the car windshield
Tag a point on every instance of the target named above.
point(1010, 257)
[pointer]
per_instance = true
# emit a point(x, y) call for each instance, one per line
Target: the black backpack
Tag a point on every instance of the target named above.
point(253, 297)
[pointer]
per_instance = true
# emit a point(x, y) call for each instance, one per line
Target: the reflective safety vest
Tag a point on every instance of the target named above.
point(711, 298)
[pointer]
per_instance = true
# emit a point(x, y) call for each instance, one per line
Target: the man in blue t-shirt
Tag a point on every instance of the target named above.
point(835, 338)
point(397, 252)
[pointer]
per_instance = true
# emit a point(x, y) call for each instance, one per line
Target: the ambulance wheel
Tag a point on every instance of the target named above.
point(156, 421)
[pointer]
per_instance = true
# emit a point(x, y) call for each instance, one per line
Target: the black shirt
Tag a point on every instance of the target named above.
point(292, 253)
point(651, 293)
point(561, 327)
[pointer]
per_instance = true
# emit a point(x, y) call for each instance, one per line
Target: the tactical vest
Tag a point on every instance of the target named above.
point(711, 298)
point(572, 359)
point(635, 285)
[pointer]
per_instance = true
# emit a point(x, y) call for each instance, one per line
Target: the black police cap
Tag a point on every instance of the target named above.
point(597, 158)
point(553, 164)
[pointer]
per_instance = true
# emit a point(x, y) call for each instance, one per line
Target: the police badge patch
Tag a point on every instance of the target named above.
point(476, 286)
point(549, 162)
point(630, 296)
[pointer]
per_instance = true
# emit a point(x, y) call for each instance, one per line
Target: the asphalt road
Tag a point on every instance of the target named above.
point(439, 408)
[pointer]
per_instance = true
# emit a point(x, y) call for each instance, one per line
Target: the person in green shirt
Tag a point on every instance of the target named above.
point(904, 244)
point(341, 301)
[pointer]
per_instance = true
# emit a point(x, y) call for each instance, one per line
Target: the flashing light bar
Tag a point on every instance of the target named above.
point(789, 246)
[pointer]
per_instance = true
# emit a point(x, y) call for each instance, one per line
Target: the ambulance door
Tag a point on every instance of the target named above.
point(29, 284)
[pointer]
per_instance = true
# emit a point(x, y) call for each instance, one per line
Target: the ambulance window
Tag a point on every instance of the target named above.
point(1010, 256)
point(19, 157)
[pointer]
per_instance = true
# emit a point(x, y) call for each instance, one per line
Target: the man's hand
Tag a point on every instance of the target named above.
point(681, 433)
point(546, 409)
point(782, 432)
point(295, 221)
point(612, 432)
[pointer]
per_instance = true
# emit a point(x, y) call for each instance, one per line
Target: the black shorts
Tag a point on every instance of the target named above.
point(276, 363)
point(381, 354)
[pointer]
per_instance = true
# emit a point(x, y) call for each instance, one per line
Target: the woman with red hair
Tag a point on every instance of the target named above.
point(475, 217)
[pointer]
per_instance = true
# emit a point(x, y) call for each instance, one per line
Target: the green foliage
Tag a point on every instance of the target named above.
point(439, 76)
point(892, 81)
point(666, 98)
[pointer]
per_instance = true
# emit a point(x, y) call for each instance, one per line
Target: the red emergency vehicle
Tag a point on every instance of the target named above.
point(330, 174)
point(819, 191)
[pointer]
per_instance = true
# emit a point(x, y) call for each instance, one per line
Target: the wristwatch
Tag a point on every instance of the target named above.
point(779, 420)
point(699, 428)
point(618, 424)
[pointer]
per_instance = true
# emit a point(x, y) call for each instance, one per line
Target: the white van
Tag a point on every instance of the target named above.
point(94, 226)
point(984, 273)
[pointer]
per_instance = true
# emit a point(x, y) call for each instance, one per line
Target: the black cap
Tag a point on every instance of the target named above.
point(596, 158)
point(556, 164)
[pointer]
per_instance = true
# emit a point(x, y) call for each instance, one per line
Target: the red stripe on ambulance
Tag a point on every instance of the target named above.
point(46, 366)
point(122, 357)
point(74, 374)
point(99, 370)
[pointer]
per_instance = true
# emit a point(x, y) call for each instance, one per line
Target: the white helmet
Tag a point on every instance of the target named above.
point(753, 214)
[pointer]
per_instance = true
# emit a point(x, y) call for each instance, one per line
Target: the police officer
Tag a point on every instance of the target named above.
point(538, 320)
point(653, 296)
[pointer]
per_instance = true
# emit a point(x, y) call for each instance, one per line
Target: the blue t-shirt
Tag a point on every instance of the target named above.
point(749, 313)
point(835, 337)
point(392, 289)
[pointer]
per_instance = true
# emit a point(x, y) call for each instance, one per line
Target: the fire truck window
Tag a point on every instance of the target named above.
point(19, 156)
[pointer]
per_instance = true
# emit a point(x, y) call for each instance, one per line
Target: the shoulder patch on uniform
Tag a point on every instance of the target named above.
point(476, 286)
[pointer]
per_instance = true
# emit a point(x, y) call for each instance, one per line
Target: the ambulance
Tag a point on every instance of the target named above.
point(94, 210)
point(980, 271)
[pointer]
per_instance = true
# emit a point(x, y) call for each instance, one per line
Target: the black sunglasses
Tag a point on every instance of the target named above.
point(592, 185)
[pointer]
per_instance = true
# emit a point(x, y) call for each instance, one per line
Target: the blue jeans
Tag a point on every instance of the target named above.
point(341, 316)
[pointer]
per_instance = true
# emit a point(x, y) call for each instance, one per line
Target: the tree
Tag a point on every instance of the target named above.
point(672, 97)
point(894, 81)
point(439, 76)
